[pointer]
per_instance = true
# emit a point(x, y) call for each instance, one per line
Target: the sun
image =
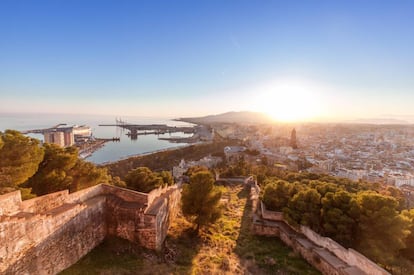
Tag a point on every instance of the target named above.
point(289, 101)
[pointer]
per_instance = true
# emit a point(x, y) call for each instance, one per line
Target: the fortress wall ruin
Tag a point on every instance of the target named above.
point(44, 203)
point(166, 213)
point(60, 240)
point(47, 234)
point(350, 256)
point(136, 222)
point(126, 194)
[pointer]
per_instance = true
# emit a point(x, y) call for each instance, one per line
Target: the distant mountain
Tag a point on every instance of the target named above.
point(379, 121)
point(244, 117)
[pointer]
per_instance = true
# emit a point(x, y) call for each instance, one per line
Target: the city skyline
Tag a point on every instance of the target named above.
point(297, 61)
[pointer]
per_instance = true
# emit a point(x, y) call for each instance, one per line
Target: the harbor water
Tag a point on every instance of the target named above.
point(111, 151)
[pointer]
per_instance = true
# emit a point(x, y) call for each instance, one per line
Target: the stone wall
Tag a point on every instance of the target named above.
point(134, 221)
point(10, 203)
point(350, 256)
point(21, 233)
point(318, 257)
point(167, 212)
point(73, 239)
point(156, 193)
point(127, 194)
point(44, 203)
point(270, 215)
point(86, 194)
point(126, 218)
point(47, 234)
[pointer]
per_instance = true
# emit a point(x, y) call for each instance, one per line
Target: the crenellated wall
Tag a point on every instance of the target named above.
point(47, 234)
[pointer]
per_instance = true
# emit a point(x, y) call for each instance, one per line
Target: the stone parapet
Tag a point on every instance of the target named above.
point(10, 203)
point(47, 234)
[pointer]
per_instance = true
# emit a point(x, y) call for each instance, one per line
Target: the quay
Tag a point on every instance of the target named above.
point(152, 127)
point(88, 148)
point(136, 130)
point(109, 139)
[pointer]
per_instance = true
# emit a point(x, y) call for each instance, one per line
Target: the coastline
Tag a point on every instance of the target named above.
point(91, 148)
point(147, 154)
point(166, 159)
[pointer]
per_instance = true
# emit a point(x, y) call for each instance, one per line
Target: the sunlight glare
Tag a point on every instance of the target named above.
point(289, 100)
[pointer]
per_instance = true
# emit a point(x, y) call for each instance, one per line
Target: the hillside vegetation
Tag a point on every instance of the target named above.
point(368, 217)
point(227, 247)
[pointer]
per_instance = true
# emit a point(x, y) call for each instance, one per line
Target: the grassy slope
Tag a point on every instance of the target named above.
point(227, 247)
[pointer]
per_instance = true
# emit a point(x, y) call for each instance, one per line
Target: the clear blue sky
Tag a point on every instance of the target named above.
point(350, 59)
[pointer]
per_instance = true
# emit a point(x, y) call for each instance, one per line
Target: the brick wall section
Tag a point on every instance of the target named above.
point(48, 234)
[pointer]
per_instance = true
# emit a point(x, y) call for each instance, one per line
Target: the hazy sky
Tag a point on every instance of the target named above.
point(324, 59)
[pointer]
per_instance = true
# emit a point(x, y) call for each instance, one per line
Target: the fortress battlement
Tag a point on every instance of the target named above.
point(47, 234)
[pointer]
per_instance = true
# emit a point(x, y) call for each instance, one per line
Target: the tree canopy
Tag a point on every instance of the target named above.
point(339, 215)
point(53, 174)
point(361, 215)
point(61, 169)
point(408, 251)
point(20, 158)
point(200, 199)
point(276, 194)
point(194, 169)
point(381, 229)
point(142, 179)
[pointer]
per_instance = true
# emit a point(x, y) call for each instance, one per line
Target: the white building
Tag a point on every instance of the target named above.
point(55, 138)
point(208, 162)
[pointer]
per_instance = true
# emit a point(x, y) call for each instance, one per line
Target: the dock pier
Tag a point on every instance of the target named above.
point(136, 130)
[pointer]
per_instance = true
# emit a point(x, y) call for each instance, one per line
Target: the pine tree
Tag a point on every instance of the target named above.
point(20, 158)
point(200, 199)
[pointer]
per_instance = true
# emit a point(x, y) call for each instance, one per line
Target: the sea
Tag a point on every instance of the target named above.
point(113, 150)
